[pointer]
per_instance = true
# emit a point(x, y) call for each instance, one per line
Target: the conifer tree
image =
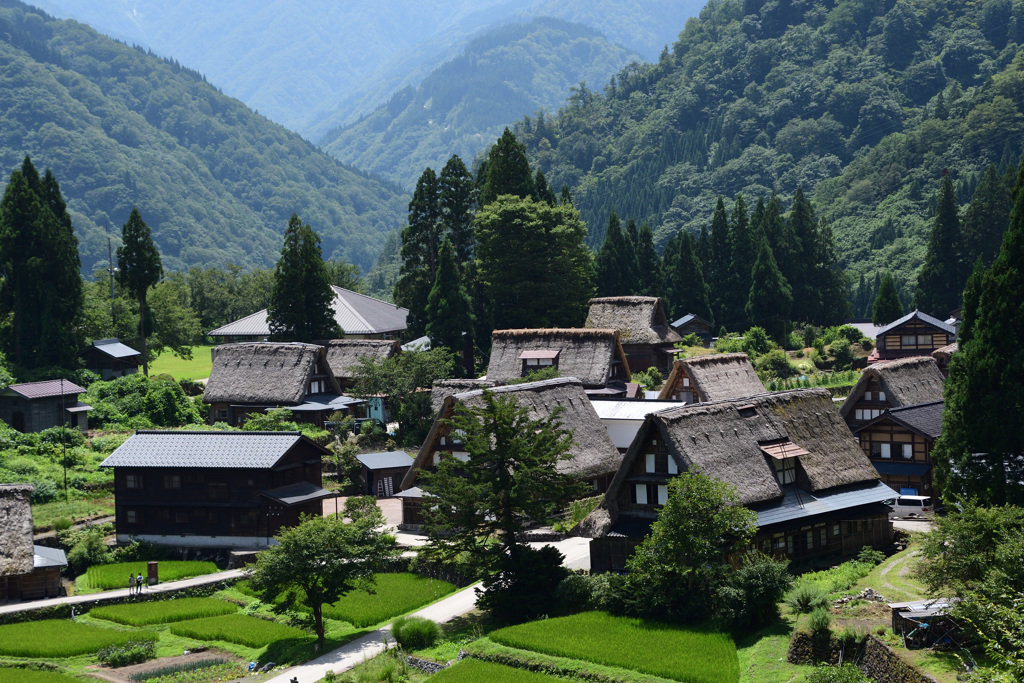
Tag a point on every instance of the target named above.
point(986, 218)
point(770, 298)
point(979, 451)
point(743, 248)
point(508, 170)
point(780, 237)
point(610, 266)
point(456, 191)
point(831, 281)
point(449, 312)
point(803, 229)
point(720, 259)
point(940, 281)
point(685, 288)
point(139, 269)
point(541, 191)
point(421, 239)
point(301, 301)
point(651, 281)
point(631, 274)
point(887, 306)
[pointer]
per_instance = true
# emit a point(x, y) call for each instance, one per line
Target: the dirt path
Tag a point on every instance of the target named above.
point(902, 571)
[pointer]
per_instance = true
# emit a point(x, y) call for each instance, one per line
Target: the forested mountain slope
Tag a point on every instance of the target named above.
point(463, 105)
point(216, 182)
point(862, 102)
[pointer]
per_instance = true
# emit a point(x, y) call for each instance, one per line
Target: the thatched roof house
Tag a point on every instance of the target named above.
point(644, 332)
point(892, 384)
point(711, 378)
point(255, 376)
point(594, 356)
point(443, 388)
point(943, 355)
point(343, 355)
point(788, 454)
point(27, 571)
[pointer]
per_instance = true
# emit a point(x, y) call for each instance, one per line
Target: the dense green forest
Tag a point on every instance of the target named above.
point(462, 106)
point(863, 103)
point(216, 182)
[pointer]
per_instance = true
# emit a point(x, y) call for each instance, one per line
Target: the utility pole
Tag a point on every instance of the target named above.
point(64, 439)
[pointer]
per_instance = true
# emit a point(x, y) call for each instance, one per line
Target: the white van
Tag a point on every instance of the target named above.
point(911, 506)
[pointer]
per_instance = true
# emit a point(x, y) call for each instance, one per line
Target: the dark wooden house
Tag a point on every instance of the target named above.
point(892, 384)
point(27, 571)
point(915, 334)
point(256, 377)
point(595, 458)
point(109, 358)
point(382, 473)
point(35, 406)
point(711, 378)
point(790, 458)
point(214, 489)
point(691, 323)
point(644, 332)
point(594, 356)
point(899, 444)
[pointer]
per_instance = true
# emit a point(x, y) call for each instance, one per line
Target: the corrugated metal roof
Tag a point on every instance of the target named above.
point(385, 460)
point(114, 348)
point(688, 318)
point(258, 450)
point(631, 410)
point(356, 314)
point(47, 388)
point(798, 503)
point(48, 557)
point(296, 494)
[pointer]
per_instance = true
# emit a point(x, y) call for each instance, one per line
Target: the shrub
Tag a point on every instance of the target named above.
point(729, 345)
point(840, 350)
point(649, 379)
point(576, 513)
point(850, 333)
point(756, 342)
point(760, 584)
point(525, 588)
point(807, 597)
point(45, 491)
point(132, 652)
point(62, 436)
point(692, 339)
point(61, 524)
point(415, 633)
point(820, 621)
point(869, 555)
point(775, 363)
point(847, 673)
point(89, 549)
point(608, 592)
point(573, 594)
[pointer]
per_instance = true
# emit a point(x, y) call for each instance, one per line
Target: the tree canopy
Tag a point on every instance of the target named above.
point(301, 301)
point(139, 269)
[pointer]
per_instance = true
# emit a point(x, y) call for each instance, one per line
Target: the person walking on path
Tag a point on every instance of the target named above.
point(131, 583)
point(138, 583)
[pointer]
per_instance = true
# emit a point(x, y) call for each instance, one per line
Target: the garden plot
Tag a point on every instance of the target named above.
point(682, 654)
point(59, 638)
point(164, 611)
point(239, 629)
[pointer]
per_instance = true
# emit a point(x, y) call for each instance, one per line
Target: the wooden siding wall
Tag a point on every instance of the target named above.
point(43, 582)
point(872, 390)
point(643, 356)
point(40, 413)
point(891, 343)
point(684, 385)
point(889, 432)
point(372, 477)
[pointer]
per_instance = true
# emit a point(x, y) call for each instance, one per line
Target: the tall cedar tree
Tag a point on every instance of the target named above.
point(43, 296)
point(547, 279)
point(685, 289)
point(770, 297)
point(541, 191)
point(509, 477)
point(610, 265)
point(986, 218)
point(420, 242)
point(139, 268)
point(803, 229)
point(456, 196)
point(651, 281)
point(940, 282)
point(719, 261)
point(743, 249)
point(979, 452)
point(831, 281)
point(887, 306)
point(301, 302)
point(449, 311)
point(507, 171)
point(631, 237)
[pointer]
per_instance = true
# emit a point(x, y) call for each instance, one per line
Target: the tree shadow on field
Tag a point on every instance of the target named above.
point(298, 650)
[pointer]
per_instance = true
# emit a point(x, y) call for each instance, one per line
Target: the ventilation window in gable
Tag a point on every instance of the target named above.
point(538, 359)
point(783, 456)
point(747, 411)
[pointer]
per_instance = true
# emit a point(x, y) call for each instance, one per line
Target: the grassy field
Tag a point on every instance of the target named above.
point(682, 654)
point(104, 577)
point(45, 514)
point(58, 638)
point(476, 671)
point(10, 675)
point(238, 628)
point(197, 368)
point(164, 611)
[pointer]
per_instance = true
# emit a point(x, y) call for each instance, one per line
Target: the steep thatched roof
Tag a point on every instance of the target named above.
point(265, 373)
point(946, 352)
point(443, 388)
point(715, 377)
point(639, 319)
point(588, 354)
point(593, 452)
point(905, 381)
point(16, 550)
point(343, 354)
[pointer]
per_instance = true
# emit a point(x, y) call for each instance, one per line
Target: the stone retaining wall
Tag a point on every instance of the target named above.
point(875, 658)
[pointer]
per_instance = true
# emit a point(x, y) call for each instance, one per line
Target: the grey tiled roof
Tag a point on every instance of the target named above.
point(385, 460)
point(257, 450)
point(923, 317)
point(47, 389)
point(925, 418)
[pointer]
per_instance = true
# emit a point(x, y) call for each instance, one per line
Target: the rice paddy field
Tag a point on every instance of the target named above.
point(107, 577)
point(239, 629)
point(197, 368)
point(11, 675)
point(477, 671)
point(680, 654)
point(59, 638)
point(164, 611)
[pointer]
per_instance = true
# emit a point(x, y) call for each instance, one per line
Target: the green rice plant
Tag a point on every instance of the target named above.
point(10, 675)
point(61, 638)
point(477, 671)
point(393, 594)
point(237, 628)
point(415, 633)
point(111, 576)
point(692, 655)
point(164, 611)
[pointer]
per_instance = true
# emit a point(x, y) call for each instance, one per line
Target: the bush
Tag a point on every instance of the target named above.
point(692, 339)
point(573, 594)
point(775, 363)
point(807, 597)
point(650, 379)
point(62, 436)
point(756, 342)
point(525, 588)
point(869, 555)
point(608, 592)
point(45, 491)
point(840, 350)
point(62, 524)
point(847, 673)
point(132, 652)
point(820, 621)
point(850, 333)
point(415, 633)
point(760, 583)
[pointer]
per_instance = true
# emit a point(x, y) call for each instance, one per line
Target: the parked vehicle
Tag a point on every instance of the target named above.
point(911, 506)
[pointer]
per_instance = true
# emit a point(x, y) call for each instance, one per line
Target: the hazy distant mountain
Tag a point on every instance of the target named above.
point(216, 182)
point(463, 105)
